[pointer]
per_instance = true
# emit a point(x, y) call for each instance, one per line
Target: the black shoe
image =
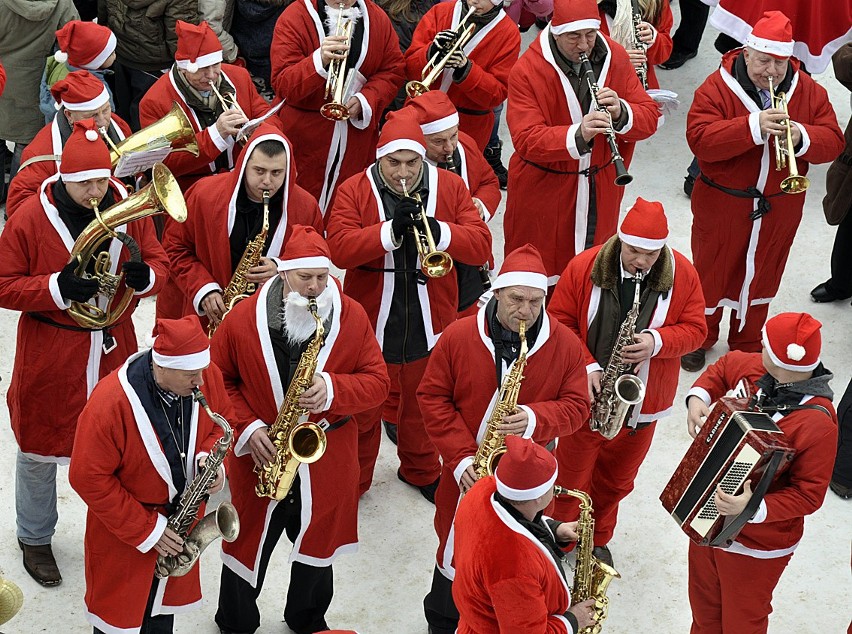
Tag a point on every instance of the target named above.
point(693, 361)
point(40, 563)
point(839, 489)
point(677, 59)
point(493, 156)
point(825, 293)
point(427, 490)
point(390, 430)
point(688, 184)
point(602, 553)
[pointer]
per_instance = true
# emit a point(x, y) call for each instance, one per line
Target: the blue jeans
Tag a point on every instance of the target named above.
point(35, 500)
point(494, 141)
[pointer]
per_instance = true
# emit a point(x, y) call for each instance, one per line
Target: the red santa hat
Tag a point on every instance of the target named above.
point(773, 34)
point(401, 132)
point(181, 344)
point(305, 249)
point(84, 44)
point(84, 155)
point(198, 46)
point(526, 471)
point(793, 341)
point(80, 91)
point(574, 15)
point(434, 111)
point(522, 267)
point(645, 225)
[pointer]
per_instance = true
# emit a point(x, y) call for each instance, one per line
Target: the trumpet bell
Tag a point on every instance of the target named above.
point(795, 184)
point(437, 264)
point(335, 111)
point(415, 88)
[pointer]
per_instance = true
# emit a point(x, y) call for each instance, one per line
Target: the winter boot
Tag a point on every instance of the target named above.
point(493, 156)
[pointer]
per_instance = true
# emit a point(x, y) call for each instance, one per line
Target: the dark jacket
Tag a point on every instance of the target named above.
point(838, 180)
point(252, 28)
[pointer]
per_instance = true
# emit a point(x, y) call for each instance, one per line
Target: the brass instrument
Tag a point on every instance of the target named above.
point(622, 178)
point(591, 576)
point(223, 522)
point(161, 196)
point(228, 101)
point(785, 155)
point(433, 263)
point(493, 444)
point(174, 130)
point(435, 66)
point(337, 82)
point(296, 441)
point(639, 45)
point(11, 600)
point(620, 390)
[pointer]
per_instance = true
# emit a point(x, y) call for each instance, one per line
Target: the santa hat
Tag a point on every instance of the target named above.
point(198, 46)
point(401, 132)
point(434, 111)
point(522, 267)
point(181, 344)
point(80, 91)
point(84, 44)
point(773, 34)
point(526, 471)
point(305, 249)
point(645, 225)
point(574, 15)
point(793, 341)
point(84, 155)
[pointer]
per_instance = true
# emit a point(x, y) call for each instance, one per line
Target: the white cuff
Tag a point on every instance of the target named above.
point(154, 537)
point(760, 515)
point(571, 142)
point(153, 277)
point(202, 293)
point(446, 236)
point(806, 139)
point(388, 241)
point(53, 285)
point(754, 125)
point(462, 467)
point(568, 628)
point(594, 367)
point(629, 125)
point(221, 144)
point(481, 205)
point(658, 341)
point(240, 448)
point(528, 432)
point(701, 393)
point(653, 35)
point(366, 117)
point(317, 57)
point(329, 390)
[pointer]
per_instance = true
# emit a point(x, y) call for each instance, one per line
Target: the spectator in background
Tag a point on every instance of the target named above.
point(254, 22)
point(219, 15)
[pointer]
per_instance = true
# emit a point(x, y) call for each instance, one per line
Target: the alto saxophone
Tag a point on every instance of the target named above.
point(591, 576)
point(296, 441)
point(223, 522)
point(619, 388)
point(493, 444)
point(239, 288)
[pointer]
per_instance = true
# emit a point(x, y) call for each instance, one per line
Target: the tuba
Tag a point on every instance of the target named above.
point(433, 263)
point(174, 130)
point(11, 600)
point(161, 196)
point(435, 66)
point(785, 155)
point(337, 82)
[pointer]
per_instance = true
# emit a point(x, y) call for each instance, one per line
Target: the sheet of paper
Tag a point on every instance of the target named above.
point(132, 163)
point(250, 126)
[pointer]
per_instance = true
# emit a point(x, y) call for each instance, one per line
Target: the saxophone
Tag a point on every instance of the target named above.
point(296, 441)
point(493, 444)
point(239, 288)
point(591, 576)
point(223, 522)
point(620, 390)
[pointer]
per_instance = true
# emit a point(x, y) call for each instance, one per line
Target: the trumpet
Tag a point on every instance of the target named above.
point(435, 66)
point(785, 155)
point(228, 101)
point(433, 263)
point(337, 82)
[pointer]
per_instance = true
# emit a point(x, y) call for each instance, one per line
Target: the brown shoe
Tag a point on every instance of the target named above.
point(41, 565)
point(693, 361)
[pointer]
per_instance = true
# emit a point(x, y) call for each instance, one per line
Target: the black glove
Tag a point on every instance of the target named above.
point(74, 288)
point(442, 42)
point(400, 223)
point(137, 275)
point(407, 206)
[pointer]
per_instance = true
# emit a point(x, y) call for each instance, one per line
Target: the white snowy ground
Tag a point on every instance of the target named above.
point(380, 589)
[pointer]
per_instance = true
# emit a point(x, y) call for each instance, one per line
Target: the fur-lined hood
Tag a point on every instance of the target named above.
point(606, 270)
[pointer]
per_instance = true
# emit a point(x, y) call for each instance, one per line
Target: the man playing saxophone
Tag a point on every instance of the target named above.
point(460, 393)
point(260, 348)
point(593, 298)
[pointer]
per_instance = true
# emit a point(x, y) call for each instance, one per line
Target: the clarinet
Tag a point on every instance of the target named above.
point(642, 71)
point(622, 178)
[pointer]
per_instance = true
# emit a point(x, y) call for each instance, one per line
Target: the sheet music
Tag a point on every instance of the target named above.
point(250, 126)
point(666, 98)
point(134, 162)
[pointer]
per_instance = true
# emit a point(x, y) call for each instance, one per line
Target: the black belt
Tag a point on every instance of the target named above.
point(421, 277)
point(475, 113)
point(337, 425)
point(763, 204)
point(109, 343)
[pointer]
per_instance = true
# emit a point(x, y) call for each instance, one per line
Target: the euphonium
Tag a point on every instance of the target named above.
point(433, 263)
point(337, 82)
point(161, 195)
point(435, 66)
point(11, 600)
point(173, 128)
point(493, 444)
point(785, 154)
point(223, 522)
point(295, 441)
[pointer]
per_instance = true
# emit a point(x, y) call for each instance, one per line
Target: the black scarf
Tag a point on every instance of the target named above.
point(507, 344)
point(74, 216)
point(544, 533)
point(740, 73)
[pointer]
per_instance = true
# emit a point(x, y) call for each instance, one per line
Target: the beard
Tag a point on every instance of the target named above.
point(299, 323)
point(353, 13)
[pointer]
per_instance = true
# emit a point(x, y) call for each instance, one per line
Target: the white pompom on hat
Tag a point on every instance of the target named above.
point(198, 47)
point(793, 341)
point(85, 45)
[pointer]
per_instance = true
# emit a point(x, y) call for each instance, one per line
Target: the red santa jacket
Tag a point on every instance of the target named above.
point(199, 249)
point(351, 364)
point(777, 527)
point(492, 51)
point(740, 260)
point(478, 175)
point(677, 324)
point(164, 93)
point(48, 144)
point(120, 471)
point(299, 78)
point(544, 115)
point(54, 365)
point(506, 581)
point(459, 391)
point(359, 236)
point(661, 46)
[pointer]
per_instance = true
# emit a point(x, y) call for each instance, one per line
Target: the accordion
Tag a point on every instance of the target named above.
point(734, 445)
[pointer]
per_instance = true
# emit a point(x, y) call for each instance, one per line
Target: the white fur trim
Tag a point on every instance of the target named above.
point(400, 144)
point(97, 62)
point(79, 177)
point(194, 361)
point(329, 390)
point(806, 139)
point(316, 57)
point(520, 278)
point(60, 56)
point(640, 242)
point(203, 61)
point(783, 364)
point(532, 424)
point(576, 25)
point(153, 280)
point(760, 514)
point(658, 341)
point(523, 495)
point(221, 143)
point(439, 125)
point(241, 446)
point(154, 536)
point(779, 49)
point(316, 262)
point(201, 294)
point(446, 236)
point(92, 104)
point(363, 121)
point(571, 142)
point(55, 294)
point(462, 466)
point(754, 128)
point(701, 393)
point(593, 367)
point(386, 236)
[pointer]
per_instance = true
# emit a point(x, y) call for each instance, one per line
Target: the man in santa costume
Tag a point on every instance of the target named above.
point(460, 389)
point(258, 348)
point(206, 249)
point(79, 96)
point(141, 440)
point(509, 569)
point(304, 44)
point(371, 235)
point(559, 144)
point(743, 224)
point(37, 279)
point(198, 68)
point(730, 589)
point(592, 298)
point(476, 76)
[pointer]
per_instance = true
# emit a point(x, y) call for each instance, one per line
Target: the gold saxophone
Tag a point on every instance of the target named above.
point(591, 576)
point(296, 441)
point(493, 444)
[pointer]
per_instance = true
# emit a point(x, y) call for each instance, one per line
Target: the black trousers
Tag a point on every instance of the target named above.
point(693, 19)
point(843, 462)
point(841, 259)
point(162, 624)
point(441, 612)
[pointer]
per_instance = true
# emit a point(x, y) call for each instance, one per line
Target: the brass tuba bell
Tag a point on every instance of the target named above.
point(174, 128)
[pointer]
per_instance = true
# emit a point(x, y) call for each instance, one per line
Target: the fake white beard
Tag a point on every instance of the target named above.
point(353, 14)
point(299, 324)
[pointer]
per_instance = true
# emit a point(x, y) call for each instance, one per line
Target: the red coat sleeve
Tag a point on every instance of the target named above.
point(470, 239)
point(421, 40)
point(713, 135)
point(661, 49)
point(383, 84)
point(351, 243)
point(153, 255)
point(489, 87)
point(483, 181)
point(724, 375)
point(27, 181)
point(566, 305)
point(691, 328)
point(826, 138)
point(217, 398)
point(521, 608)
point(224, 352)
point(295, 57)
